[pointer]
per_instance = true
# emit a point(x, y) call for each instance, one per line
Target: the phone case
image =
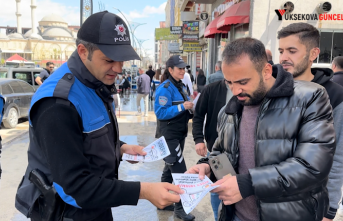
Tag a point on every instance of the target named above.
point(221, 166)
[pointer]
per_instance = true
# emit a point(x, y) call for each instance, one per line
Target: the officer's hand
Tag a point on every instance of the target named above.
point(159, 195)
point(201, 149)
point(188, 105)
point(133, 150)
point(201, 169)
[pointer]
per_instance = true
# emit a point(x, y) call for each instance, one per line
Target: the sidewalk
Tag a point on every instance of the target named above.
point(10, 135)
point(133, 130)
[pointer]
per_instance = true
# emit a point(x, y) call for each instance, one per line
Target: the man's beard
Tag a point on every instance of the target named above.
point(257, 96)
point(301, 67)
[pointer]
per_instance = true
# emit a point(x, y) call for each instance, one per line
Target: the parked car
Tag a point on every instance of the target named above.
point(18, 95)
point(27, 74)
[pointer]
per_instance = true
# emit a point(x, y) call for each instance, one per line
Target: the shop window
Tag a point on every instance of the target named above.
point(240, 31)
point(331, 46)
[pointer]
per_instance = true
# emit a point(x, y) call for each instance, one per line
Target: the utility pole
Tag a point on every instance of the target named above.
point(86, 10)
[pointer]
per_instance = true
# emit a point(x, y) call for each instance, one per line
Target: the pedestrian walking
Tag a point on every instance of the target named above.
point(124, 85)
point(278, 134)
point(75, 150)
point(299, 47)
point(172, 107)
point(213, 97)
point(337, 67)
point(201, 80)
point(186, 80)
point(218, 75)
point(47, 71)
point(143, 84)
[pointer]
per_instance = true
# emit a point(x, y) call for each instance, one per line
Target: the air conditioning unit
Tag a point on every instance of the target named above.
point(324, 7)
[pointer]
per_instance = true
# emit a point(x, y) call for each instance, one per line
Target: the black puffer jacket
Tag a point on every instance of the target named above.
point(295, 144)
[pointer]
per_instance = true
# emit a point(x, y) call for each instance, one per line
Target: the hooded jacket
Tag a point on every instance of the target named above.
point(338, 78)
point(323, 76)
point(295, 144)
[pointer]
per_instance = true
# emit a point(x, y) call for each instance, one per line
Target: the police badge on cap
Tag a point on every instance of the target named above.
point(109, 32)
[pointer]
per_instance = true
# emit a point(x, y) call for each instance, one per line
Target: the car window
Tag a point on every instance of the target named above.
point(24, 76)
point(3, 74)
point(16, 87)
point(26, 87)
point(35, 75)
point(6, 89)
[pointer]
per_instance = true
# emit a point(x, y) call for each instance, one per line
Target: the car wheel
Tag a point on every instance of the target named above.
point(12, 119)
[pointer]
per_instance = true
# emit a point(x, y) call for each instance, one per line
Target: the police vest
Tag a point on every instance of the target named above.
point(97, 142)
point(171, 115)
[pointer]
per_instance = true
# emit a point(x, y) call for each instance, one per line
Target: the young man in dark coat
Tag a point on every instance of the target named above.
point(278, 134)
point(299, 47)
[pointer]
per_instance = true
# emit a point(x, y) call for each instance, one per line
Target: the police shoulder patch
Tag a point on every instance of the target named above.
point(162, 100)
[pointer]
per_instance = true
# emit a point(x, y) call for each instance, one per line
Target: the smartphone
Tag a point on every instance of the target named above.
point(221, 166)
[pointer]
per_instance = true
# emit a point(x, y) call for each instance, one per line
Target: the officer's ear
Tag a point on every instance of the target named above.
point(83, 52)
point(170, 70)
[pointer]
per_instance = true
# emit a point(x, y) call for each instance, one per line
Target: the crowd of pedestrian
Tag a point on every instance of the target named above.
point(278, 125)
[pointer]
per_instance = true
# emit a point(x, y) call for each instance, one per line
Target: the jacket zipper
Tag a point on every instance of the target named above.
point(255, 149)
point(235, 122)
point(316, 206)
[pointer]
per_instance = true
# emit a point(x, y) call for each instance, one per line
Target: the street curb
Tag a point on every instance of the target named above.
point(20, 136)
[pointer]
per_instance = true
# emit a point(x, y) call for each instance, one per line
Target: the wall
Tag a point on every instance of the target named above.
point(264, 23)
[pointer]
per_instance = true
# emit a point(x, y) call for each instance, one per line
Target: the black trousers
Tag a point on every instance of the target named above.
point(174, 163)
point(105, 216)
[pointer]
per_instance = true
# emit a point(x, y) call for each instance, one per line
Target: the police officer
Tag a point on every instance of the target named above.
point(74, 134)
point(173, 111)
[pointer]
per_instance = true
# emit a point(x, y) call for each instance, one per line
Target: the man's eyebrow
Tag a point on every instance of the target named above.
point(244, 79)
point(289, 48)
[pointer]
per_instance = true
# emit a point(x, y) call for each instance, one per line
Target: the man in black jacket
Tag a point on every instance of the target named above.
point(211, 100)
point(299, 47)
point(337, 67)
point(279, 136)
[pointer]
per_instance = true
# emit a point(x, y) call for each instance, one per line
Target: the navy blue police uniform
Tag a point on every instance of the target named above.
point(74, 135)
point(172, 124)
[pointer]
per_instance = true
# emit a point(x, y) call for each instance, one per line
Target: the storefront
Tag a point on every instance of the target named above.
point(230, 21)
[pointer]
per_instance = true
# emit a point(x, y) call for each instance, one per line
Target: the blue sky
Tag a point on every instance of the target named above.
point(150, 12)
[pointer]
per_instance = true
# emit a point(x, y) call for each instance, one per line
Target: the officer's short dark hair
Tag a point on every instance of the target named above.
point(89, 46)
point(49, 63)
point(338, 61)
point(308, 35)
point(246, 46)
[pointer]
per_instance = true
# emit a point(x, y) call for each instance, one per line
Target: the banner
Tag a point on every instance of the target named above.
point(191, 46)
point(176, 30)
point(173, 47)
point(164, 34)
point(190, 31)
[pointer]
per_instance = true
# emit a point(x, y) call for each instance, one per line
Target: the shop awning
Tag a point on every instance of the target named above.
point(16, 57)
point(236, 14)
point(211, 30)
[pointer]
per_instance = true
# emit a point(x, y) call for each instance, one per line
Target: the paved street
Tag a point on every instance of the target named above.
point(133, 130)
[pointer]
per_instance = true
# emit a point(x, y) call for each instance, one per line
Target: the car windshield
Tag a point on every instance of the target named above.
point(3, 74)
